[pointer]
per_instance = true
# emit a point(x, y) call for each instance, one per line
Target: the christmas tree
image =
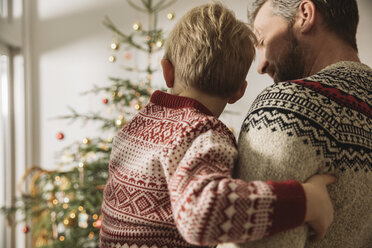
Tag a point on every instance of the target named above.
point(62, 208)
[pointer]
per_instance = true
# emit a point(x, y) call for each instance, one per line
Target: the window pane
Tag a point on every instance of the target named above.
point(3, 8)
point(17, 9)
point(19, 134)
point(4, 135)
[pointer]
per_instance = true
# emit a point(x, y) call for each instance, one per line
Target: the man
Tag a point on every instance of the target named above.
point(316, 118)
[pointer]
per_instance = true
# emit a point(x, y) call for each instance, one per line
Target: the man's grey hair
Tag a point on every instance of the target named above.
point(340, 16)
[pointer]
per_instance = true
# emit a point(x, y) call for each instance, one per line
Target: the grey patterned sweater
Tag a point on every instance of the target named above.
point(320, 124)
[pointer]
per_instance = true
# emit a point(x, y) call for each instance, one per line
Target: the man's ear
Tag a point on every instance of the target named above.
point(239, 94)
point(168, 72)
point(306, 16)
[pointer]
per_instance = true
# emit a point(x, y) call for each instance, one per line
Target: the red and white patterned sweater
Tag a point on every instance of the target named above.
point(170, 183)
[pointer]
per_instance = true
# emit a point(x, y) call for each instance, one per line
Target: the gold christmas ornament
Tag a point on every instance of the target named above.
point(137, 26)
point(114, 46)
point(170, 15)
point(91, 235)
point(86, 141)
point(112, 58)
point(62, 238)
point(120, 121)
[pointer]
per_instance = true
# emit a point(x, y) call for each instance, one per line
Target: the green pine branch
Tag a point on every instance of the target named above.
point(128, 39)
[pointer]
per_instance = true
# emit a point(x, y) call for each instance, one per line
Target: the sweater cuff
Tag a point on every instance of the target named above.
point(290, 206)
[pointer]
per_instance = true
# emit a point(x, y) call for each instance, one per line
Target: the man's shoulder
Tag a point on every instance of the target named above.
point(291, 105)
point(334, 81)
point(287, 95)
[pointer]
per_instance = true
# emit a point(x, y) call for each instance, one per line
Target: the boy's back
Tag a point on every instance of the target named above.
point(146, 153)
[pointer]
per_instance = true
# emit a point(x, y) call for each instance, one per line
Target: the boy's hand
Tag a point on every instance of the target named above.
point(319, 208)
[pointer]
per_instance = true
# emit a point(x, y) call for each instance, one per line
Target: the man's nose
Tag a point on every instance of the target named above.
point(262, 62)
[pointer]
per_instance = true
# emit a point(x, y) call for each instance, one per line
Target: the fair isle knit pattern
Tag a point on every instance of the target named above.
point(170, 181)
point(320, 124)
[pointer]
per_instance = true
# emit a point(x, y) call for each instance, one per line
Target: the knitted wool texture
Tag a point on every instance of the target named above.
point(320, 124)
point(170, 183)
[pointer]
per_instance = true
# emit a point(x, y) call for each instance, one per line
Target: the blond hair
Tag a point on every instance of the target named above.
point(211, 50)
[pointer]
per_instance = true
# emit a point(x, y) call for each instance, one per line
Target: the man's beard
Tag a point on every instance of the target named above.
point(290, 63)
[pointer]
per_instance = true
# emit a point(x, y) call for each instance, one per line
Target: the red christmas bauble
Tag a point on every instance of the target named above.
point(105, 101)
point(128, 56)
point(26, 229)
point(60, 136)
point(98, 223)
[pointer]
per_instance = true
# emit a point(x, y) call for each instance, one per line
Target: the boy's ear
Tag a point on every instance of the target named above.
point(239, 94)
point(168, 72)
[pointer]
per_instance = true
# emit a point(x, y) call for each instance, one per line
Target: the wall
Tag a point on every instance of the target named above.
point(69, 51)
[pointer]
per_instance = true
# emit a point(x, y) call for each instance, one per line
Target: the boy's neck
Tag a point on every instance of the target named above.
point(215, 104)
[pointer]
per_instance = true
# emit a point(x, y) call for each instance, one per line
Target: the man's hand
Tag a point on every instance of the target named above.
point(319, 208)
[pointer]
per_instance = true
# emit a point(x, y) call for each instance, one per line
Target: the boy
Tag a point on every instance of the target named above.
point(170, 168)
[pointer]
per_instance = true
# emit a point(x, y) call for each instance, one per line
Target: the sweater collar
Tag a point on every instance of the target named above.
point(177, 102)
point(348, 64)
